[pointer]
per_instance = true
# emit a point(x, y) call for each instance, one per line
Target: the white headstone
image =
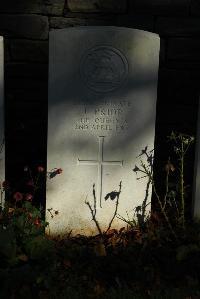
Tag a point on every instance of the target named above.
point(102, 107)
point(2, 143)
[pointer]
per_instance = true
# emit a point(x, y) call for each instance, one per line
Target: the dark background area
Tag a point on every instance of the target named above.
point(25, 24)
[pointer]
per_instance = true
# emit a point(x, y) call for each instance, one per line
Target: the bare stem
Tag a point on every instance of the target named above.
point(163, 211)
point(93, 213)
point(116, 207)
point(182, 213)
point(167, 189)
point(95, 200)
point(144, 204)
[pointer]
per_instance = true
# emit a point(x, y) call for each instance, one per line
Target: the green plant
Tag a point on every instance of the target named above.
point(113, 195)
point(146, 171)
point(171, 203)
point(144, 261)
point(22, 224)
point(182, 143)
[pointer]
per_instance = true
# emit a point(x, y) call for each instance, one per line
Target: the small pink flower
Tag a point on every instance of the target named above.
point(40, 169)
point(30, 216)
point(5, 185)
point(54, 172)
point(11, 210)
point(29, 197)
point(30, 183)
point(37, 222)
point(18, 196)
point(59, 170)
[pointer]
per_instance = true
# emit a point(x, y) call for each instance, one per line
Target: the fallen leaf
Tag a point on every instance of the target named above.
point(99, 289)
point(23, 257)
point(100, 249)
point(67, 264)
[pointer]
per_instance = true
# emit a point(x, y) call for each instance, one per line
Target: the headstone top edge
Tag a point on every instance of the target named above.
point(83, 28)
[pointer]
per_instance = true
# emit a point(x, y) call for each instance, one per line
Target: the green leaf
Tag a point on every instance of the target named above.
point(8, 243)
point(39, 247)
point(40, 279)
point(28, 205)
point(19, 221)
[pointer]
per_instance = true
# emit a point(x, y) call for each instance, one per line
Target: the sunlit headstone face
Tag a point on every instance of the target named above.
point(2, 150)
point(102, 106)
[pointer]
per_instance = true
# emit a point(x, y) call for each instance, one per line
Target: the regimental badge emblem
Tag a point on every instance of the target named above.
point(103, 68)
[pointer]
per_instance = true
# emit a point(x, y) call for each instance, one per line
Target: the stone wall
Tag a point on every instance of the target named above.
point(25, 26)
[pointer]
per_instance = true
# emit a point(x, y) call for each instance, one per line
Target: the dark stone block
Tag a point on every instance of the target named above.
point(32, 110)
point(162, 58)
point(184, 49)
point(161, 7)
point(26, 84)
point(59, 23)
point(24, 26)
point(28, 50)
point(24, 106)
point(182, 64)
point(115, 6)
point(178, 87)
point(178, 26)
point(26, 70)
point(48, 7)
point(195, 7)
point(89, 15)
point(136, 21)
point(129, 21)
point(24, 95)
point(6, 50)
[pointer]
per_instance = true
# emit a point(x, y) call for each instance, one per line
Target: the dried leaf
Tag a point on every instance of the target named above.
point(100, 249)
point(169, 166)
point(99, 289)
point(67, 264)
point(23, 257)
point(121, 229)
point(111, 232)
point(112, 195)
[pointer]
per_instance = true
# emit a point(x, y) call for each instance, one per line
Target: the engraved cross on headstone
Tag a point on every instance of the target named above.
point(100, 163)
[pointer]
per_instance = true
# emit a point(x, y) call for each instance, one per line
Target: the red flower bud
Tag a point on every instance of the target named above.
point(59, 170)
point(30, 183)
point(29, 216)
point(40, 169)
point(29, 197)
point(37, 222)
point(18, 196)
point(5, 185)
